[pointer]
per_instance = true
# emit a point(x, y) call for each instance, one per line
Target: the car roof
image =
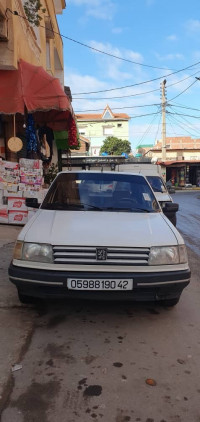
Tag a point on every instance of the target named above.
point(102, 172)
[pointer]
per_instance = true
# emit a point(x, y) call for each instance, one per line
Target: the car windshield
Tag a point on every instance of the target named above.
point(156, 183)
point(88, 191)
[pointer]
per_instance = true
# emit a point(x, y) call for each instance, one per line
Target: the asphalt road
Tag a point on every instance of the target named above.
point(188, 218)
point(84, 361)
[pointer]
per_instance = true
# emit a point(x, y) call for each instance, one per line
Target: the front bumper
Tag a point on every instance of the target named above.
point(53, 284)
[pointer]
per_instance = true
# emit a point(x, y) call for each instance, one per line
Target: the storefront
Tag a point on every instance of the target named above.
point(34, 111)
point(182, 173)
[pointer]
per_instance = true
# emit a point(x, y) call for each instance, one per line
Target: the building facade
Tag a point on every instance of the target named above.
point(40, 46)
point(182, 161)
point(97, 127)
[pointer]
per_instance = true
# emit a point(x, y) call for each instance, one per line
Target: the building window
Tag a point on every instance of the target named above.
point(48, 55)
point(119, 124)
point(107, 115)
point(81, 132)
point(108, 131)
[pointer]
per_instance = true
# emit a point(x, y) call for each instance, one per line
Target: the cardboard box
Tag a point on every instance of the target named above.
point(16, 204)
point(30, 194)
point(12, 194)
point(9, 165)
point(31, 179)
point(22, 186)
point(17, 217)
point(3, 214)
point(12, 187)
point(30, 164)
point(3, 185)
point(1, 196)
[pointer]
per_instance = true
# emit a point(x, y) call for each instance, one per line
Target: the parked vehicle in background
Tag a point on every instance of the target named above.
point(153, 174)
point(100, 235)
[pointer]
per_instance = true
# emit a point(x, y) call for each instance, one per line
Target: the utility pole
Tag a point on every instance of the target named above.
point(163, 120)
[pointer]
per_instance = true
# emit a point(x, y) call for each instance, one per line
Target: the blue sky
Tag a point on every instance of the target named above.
point(162, 37)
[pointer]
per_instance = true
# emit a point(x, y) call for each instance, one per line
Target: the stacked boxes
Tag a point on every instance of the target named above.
point(19, 181)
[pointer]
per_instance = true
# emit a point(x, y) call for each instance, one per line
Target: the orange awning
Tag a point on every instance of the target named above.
point(32, 88)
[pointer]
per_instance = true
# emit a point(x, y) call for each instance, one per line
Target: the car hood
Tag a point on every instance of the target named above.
point(94, 228)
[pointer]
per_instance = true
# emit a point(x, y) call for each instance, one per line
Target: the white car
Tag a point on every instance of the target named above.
point(100, 243)
point(153, 173)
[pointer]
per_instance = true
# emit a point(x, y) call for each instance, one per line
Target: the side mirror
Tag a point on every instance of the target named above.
point(170, 207)
point(32, 202)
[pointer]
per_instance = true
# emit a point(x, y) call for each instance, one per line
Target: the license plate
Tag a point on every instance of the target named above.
point(99, 284)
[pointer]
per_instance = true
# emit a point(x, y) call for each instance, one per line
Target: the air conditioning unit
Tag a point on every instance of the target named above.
point(3, 29)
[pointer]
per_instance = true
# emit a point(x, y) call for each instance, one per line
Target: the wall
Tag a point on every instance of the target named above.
point(94, 131)
point(29, 43)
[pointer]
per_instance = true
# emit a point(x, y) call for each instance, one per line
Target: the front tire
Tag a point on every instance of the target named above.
point(26, 299)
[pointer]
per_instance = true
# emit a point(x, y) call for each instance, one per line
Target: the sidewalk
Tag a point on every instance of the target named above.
point(184, 189)
point(16, 320)
point(8, 233)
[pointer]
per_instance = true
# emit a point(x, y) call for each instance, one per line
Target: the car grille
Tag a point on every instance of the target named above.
point(88, 255)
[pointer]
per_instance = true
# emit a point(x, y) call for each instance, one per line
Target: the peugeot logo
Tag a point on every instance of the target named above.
point(101, 254)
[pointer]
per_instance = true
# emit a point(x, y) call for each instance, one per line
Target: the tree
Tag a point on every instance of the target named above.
point(115, 146)
point(32, 8)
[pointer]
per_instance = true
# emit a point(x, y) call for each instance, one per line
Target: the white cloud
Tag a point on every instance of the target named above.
point(123, 53)
point(111, 67)
point(170, 56)
point(117, 30)
point(82, 83)
point(150, 2)
point(100, 9)
point(193, 25)
point(171, 37)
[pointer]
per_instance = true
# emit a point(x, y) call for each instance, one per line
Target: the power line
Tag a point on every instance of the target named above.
point(143, 115)
point(148, 105)
point(132, 95)
point(180, 114)
point(183, 91)
point(181, 106)
point(139, 83)
point(173, 130)
point(146, 132)
point(183, 128)
point(187, 124)
point(84, 122)
point(158, 126)
point(90, 47)
point(112, 55)
point(120, 108)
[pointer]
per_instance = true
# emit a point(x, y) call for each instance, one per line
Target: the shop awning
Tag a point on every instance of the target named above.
point(32, 89)
point(178, 162)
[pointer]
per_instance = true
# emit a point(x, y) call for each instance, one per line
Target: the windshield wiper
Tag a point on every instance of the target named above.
point(127, 209)
point(83, 204)
point(62, 206)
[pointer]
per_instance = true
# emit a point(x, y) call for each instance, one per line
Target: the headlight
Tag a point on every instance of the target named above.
point(167, 255)
point(38, 252)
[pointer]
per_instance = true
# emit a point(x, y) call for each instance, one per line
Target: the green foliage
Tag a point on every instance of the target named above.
point(115, 146)
point(50, 173)
point(31, 8)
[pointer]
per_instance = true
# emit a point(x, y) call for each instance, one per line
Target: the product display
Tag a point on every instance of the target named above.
point(19, 181)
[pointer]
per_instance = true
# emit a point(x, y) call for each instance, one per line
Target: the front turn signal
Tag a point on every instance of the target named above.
point(17, 254)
